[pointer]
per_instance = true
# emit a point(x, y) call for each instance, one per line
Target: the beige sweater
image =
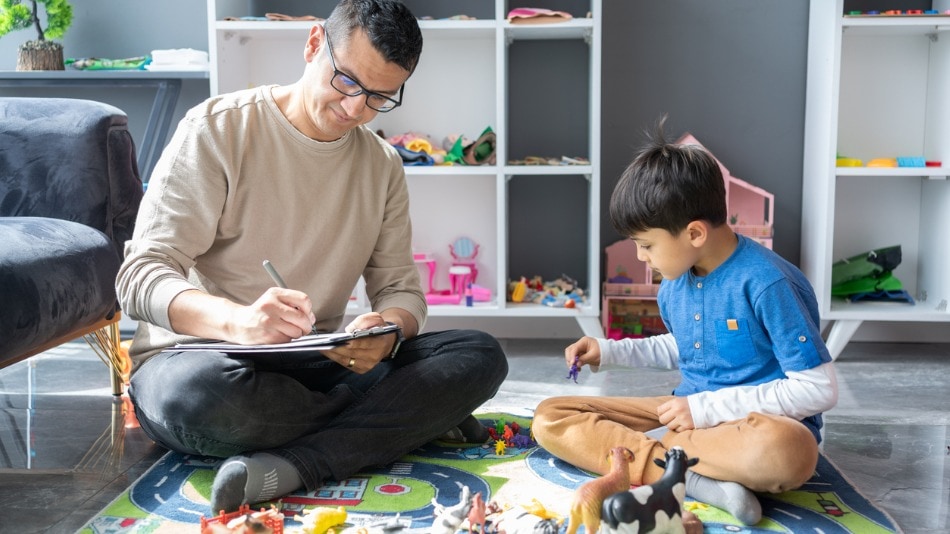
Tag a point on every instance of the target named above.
point(238, 184)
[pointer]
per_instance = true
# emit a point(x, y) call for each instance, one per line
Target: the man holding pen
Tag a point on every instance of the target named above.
point(290, 174)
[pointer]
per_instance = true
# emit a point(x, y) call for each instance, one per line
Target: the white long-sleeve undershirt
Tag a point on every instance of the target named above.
point(801, 394)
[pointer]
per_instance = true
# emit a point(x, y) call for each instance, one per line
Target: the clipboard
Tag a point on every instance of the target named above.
point(308, 343)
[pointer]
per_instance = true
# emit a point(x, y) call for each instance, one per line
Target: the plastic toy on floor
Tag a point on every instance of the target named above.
point(657, 508)
point(476, 515)
point(264, 521)
point(531, 519)
point(590, 496)
point(448, 519)
point(321, 519)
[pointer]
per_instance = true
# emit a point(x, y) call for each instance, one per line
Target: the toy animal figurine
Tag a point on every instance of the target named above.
point(447, 520)
point(393, 524)
point(515, 521)
point(575, 369)
point(537, 508)
point(657, 508)
point(476, 516)
point(244, 521)
point(586, 505)
point(321, 519)
point(500, 447)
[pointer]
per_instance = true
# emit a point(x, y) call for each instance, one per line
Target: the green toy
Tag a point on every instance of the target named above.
point(870, 272)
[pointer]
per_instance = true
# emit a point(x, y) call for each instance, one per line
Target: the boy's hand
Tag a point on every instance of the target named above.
point(675, 414)
point(586, 351)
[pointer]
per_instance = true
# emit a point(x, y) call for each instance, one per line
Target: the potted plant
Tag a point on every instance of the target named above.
point(41, 53)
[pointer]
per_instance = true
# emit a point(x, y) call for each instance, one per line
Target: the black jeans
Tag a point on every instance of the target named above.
point(326, 420)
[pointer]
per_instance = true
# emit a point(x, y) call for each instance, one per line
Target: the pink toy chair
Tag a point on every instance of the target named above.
point(463, 252)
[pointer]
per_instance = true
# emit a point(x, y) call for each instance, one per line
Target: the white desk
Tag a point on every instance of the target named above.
point(167, 86)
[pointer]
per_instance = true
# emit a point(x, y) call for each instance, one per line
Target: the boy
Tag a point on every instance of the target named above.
point(744, 334)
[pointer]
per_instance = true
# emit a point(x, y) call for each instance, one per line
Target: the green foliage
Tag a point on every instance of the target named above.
point(19, 15)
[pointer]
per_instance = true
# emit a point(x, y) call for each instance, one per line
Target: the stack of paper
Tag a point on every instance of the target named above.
point(315, 342)
point(178, 59)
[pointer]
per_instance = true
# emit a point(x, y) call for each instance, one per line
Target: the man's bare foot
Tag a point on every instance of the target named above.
point(691, 523)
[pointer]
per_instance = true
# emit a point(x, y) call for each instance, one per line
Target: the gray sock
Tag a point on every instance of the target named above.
point(730, 496)
point(252, 479)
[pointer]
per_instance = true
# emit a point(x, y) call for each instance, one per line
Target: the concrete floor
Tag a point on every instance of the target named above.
point(68, 450)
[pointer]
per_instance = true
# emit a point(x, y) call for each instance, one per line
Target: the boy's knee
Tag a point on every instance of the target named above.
point(541, 422)
point(547, 415)
point(785, 449)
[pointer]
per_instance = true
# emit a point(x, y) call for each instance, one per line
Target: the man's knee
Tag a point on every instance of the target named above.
point(491, 361)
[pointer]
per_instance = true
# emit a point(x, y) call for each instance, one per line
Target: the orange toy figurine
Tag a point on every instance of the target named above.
point(590, 496)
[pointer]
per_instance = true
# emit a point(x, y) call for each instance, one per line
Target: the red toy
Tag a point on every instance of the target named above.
point(270, 520)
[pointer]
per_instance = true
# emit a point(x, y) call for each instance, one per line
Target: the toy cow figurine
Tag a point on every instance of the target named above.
point(585, 508)
point(448, 519)
point(657, 508)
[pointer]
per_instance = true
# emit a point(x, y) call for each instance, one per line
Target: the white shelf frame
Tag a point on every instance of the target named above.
point(926, 225)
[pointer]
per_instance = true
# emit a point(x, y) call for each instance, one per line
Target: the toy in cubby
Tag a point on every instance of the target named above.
point(629, 317)
point(462, 275)
point(563, 292)
point(751, 209)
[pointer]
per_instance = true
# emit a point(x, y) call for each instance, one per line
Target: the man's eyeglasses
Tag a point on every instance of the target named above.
point(350, 87)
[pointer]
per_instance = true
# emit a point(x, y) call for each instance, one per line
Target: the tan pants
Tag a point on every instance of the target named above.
point(764, 453)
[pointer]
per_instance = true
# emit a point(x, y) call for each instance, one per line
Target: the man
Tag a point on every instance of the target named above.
point(290, 174)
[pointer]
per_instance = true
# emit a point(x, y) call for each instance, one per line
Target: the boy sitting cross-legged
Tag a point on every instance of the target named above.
point(743, 331)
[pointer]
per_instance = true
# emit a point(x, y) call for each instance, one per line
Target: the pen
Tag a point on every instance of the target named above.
point(269, 267)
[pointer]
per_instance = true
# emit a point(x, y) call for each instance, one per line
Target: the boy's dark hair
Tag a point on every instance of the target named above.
point(667, 186)
point(389, 25)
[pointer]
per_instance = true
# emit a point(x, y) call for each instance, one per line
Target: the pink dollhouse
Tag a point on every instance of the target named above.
point(628, 306)
point(751, 208)
point(629, 296)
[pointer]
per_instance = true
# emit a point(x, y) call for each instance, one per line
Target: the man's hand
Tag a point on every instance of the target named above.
point(362, 354)
point(675, 414)
point(586, 351)
point(277, 316)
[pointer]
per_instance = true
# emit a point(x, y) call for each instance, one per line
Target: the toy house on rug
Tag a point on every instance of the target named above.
point(629, 297)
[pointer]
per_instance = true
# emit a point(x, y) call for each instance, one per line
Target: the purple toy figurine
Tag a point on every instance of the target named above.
point(575, 369)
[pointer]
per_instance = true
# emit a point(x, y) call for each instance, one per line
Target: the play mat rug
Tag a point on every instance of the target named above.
point(173, 495)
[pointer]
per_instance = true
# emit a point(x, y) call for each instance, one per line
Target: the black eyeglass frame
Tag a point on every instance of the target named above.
point(362, 90)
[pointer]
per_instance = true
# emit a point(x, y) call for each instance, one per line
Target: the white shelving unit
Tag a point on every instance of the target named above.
point(461, 86)
point(877, 88)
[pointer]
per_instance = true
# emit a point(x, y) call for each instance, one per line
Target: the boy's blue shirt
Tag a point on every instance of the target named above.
point(746, 323)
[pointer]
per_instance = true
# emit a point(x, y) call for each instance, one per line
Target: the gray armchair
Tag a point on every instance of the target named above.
point(69, 194)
